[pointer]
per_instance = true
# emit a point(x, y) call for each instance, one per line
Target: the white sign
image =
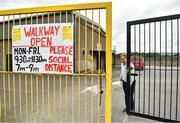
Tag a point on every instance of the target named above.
point(43, 48)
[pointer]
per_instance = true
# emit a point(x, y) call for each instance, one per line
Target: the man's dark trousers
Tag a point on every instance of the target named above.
point(125, 88)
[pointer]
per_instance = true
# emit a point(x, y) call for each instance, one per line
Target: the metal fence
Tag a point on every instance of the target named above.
point(157, 86)
point(59, 97)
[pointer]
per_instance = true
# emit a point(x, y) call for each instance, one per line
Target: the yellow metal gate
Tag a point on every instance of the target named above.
point(60, 97)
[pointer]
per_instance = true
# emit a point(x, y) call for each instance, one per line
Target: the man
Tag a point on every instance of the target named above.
point(123, 78)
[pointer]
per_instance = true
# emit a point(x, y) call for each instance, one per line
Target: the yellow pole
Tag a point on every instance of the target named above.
point(54, 83)
point(48, 92)
point(60, 17)
point(85, 67)
point(47, 9)
point(48, 101)
point(54, 78)
point(20, 83)
point(66, 82)
point(66, 99)
point(79, 87)
point(42, 81)
point(14, 94)
point(92, 69)
point(37, 82)
point(60, 93)
point(4, 88)
point(32, 106)
point(72, 84)
point(20, 98)
point(108, 93)
point(60, 87)
point(14, 90)
point(0, 110)
point(37, 98)
point(26, 85)
point(9, 89)
point(4, 83)
point(26, 98)
point(99, 67)
point(72, 99)
point(42, 96)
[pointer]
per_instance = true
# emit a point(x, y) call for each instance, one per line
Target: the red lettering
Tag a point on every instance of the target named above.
point(51, 30)
point(41, 31)
point(71, 51)
point(43, 41)
point(65, 50)
point(50, 59)
point(32, 42)
point(59, 59)
point(38, 40)
point(27, 32)
point(49, 41)
point(57, 29)
point(58, 68)
point(52, 50)
point(34, 31)
point(46, 32)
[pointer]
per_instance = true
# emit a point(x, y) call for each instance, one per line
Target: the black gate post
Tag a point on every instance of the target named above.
point(163, 103)
point(128, 64)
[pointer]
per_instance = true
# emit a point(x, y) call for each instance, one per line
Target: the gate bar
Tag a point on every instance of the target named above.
point(151, 117)
point(8, 69)
point(108, 94)
point(0, 110)
point(160, 73)
point(42, 79)
point(171, 68)
point(14, 90)
point(85, 67)
point(99, 66)
point(149, 67)
point(26, 96)
point(165, 68)
point(156, 19)
point(139, 70)
point(72, 81)
point(154, 100)
point(100, 5)
point(81, 74)
point(144, 69)
point(177, 67)
point(92, 67)
point(37, 81)
point(4, 83)
point(79, 68)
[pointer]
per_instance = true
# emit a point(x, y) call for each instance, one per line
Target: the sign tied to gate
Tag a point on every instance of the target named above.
point(43, 48)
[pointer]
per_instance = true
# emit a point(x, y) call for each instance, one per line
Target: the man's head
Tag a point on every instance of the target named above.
point(123, 58)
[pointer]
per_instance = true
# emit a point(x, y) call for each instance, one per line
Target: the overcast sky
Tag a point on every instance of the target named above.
point(123, 11)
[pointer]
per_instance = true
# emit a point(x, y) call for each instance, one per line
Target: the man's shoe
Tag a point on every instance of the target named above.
point(133, 109)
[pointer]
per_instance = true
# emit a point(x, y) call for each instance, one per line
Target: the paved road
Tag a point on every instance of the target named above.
point(149, 81)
